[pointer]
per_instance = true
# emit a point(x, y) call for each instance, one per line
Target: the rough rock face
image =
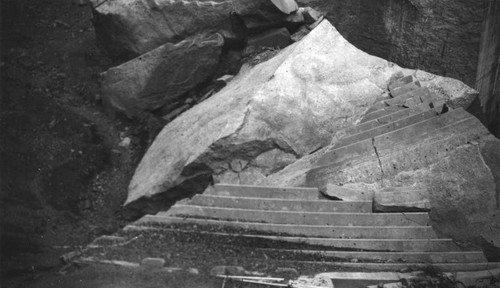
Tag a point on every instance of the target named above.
point(130, 28)
point(488, 70)
point(160, 76)
point(441, 37)
point(265, 118)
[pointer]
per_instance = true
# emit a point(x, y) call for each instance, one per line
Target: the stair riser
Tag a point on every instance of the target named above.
point(282, 205)
point(300, 218)
point(296, 230)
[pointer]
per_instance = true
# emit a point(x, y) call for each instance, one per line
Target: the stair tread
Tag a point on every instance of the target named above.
point(422, 130)
point(392, 232)
point(251, 191)
point(299, 217)
point(387, 128)
point(391, 117)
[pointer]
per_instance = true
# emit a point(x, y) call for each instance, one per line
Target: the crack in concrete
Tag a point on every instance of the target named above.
point(379, 162)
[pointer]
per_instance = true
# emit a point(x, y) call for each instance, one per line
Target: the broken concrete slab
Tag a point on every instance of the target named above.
point(132, 28)
point(251, 116)
point(398, 82)
point(162, 75)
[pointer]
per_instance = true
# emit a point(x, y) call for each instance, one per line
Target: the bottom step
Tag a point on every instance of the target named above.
point(382, 257)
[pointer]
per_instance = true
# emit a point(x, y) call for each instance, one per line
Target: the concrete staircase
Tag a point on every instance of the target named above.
point(344, 233)
point(299, 226)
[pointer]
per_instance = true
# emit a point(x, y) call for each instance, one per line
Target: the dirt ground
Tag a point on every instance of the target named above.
point(64, 174)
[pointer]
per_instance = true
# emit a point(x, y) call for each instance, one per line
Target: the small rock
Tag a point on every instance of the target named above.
point(227, 270)
point(153, 263)
point(172, 269)
point(125, 142)
point(287, 271)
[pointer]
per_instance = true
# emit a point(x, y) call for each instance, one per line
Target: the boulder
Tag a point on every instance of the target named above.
point(404, 31)
point(264, 119)
point(128, 28)
point(161, 76)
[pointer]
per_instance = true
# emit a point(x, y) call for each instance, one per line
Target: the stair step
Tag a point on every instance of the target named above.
point(401, 102)
point(397, 156)
point(405, 88)
point(404, 136)
point(299, 217)
point(368, 232)
point(380, 112)
point(416, 257)
point(386, 119)
point(383, 129)
point(282, 204)
point(415, 245)
point(251, 191)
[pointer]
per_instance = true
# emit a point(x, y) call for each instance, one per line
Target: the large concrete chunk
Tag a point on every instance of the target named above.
point(132, 27)
point(162, 75)
point(265, 118)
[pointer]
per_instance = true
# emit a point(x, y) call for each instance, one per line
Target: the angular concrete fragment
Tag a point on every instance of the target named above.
point(129, 28)
point(162, 75)
point(252, 115)
point(400, 82)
